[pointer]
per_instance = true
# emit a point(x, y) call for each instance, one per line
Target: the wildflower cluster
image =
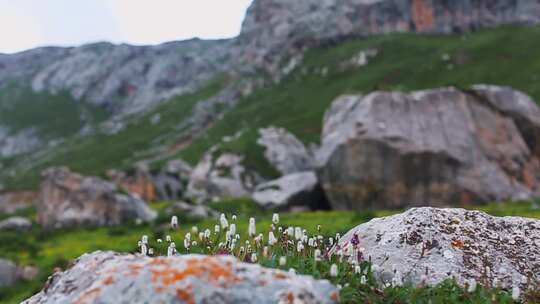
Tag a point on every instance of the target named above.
point(294, 249)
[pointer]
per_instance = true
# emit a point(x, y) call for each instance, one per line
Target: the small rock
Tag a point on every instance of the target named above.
point(106, 277)
point(293, 190)
point(16, 223)
point(8, 273)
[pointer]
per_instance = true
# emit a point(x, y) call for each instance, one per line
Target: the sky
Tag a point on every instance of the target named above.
point(27, 24)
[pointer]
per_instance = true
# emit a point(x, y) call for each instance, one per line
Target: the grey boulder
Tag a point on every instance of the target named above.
point(106, 277)
point(16, 223)
point(429, 245)
point(284, 151)
point(8, 273)
point(70, 199)
point(293, 190)
point(437, 147)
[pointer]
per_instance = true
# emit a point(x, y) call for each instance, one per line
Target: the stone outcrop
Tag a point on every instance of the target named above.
point(69, 199)
point(278, 29)
point(153, 185)
point(429, 245)
point(298, 190)
point(220, 175)
point(284, 151)
point(10, 202)
point(105, 277)
point(438, 147)
point(16, 223)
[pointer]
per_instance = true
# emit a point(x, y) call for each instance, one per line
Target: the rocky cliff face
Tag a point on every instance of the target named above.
point(276, 28)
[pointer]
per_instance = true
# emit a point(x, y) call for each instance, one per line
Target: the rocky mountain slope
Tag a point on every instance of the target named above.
point(116, 92)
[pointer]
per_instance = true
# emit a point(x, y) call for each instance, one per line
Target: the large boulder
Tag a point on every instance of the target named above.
point(429, 245)
point(16, 223)
point(220, 175)
point(106, 277)
point(284, 151)
point(11, 202)
point(70, 199)
point(292, 191)
point(8, 273)
point(438, 147)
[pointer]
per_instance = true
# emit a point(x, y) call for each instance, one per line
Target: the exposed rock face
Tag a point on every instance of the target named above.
point(220, 175)
point(16, 223)
point(105, 277)
point(8, 273)
point(294, 190)
point(69, 199)
point(284, 151)
point(428, 246)
point(21, 142)
point(102, 72)
point(139, 183)
point(277, 28)
point(444, 146)
point(10, 202)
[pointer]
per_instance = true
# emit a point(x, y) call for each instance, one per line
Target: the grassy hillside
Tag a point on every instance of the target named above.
point(501, 56)
point(405, 62)
point(53, 115)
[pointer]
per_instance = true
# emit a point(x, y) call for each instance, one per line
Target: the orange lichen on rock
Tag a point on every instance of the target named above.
point(89, 296)
point(457, 244)
point(108, 280)
point(206, 267)
point(280, 276)
point(186, 294)
point(423, 16)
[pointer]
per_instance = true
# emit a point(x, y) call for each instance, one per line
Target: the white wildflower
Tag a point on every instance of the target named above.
point(174, 222)
point(299, 246)
point(159, 240)
point(317, 255)
point(168, 238)
point(144, 239)
point(217, 229)
point(290, 231)
point(363, 280)
point(252, 229)
point(275, 218)
point(292, 271)
point(207, 233)
point(195, 230)
point(357, 269)
point(272, 239)
point(171, 250)
point(144, 249)
point(232, 229)
point(254, 258)
point(333, 270)
point(282, 261)
point(298, 233)
point(516, 293)
point(223, 221)
point(472, 286)
point(234, 217)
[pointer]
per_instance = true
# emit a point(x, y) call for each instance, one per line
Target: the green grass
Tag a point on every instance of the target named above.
point(405, 62)
point(50, 249)
point(53, 115)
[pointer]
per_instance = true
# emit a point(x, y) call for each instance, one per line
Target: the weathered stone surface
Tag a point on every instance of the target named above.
point(16, 223)
point(192, 210)
point(10, 202)
point(438, 147)
point(8, 273)
point(293, 190)
point(105, 277)
point(274, 29)
point(220, 175)
point(284, 151)
point(429, 245)
point(68, 199)
point(20, 142)
point(138, 182)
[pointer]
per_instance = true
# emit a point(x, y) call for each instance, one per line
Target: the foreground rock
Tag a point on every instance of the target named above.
point(220, 176)
point(70, 199)
point(16, 223)
point(105, 277)
point(393, 150)
point(299, 190)
point(428, 246)
point(11, 202)
point(284, 151)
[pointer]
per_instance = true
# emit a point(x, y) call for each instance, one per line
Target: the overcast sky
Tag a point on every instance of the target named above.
point(27, 24)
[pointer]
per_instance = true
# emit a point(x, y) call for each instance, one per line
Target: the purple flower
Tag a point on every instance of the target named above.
point(355, 240)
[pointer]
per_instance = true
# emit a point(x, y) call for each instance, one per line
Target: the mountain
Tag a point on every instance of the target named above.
point(103, 106)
